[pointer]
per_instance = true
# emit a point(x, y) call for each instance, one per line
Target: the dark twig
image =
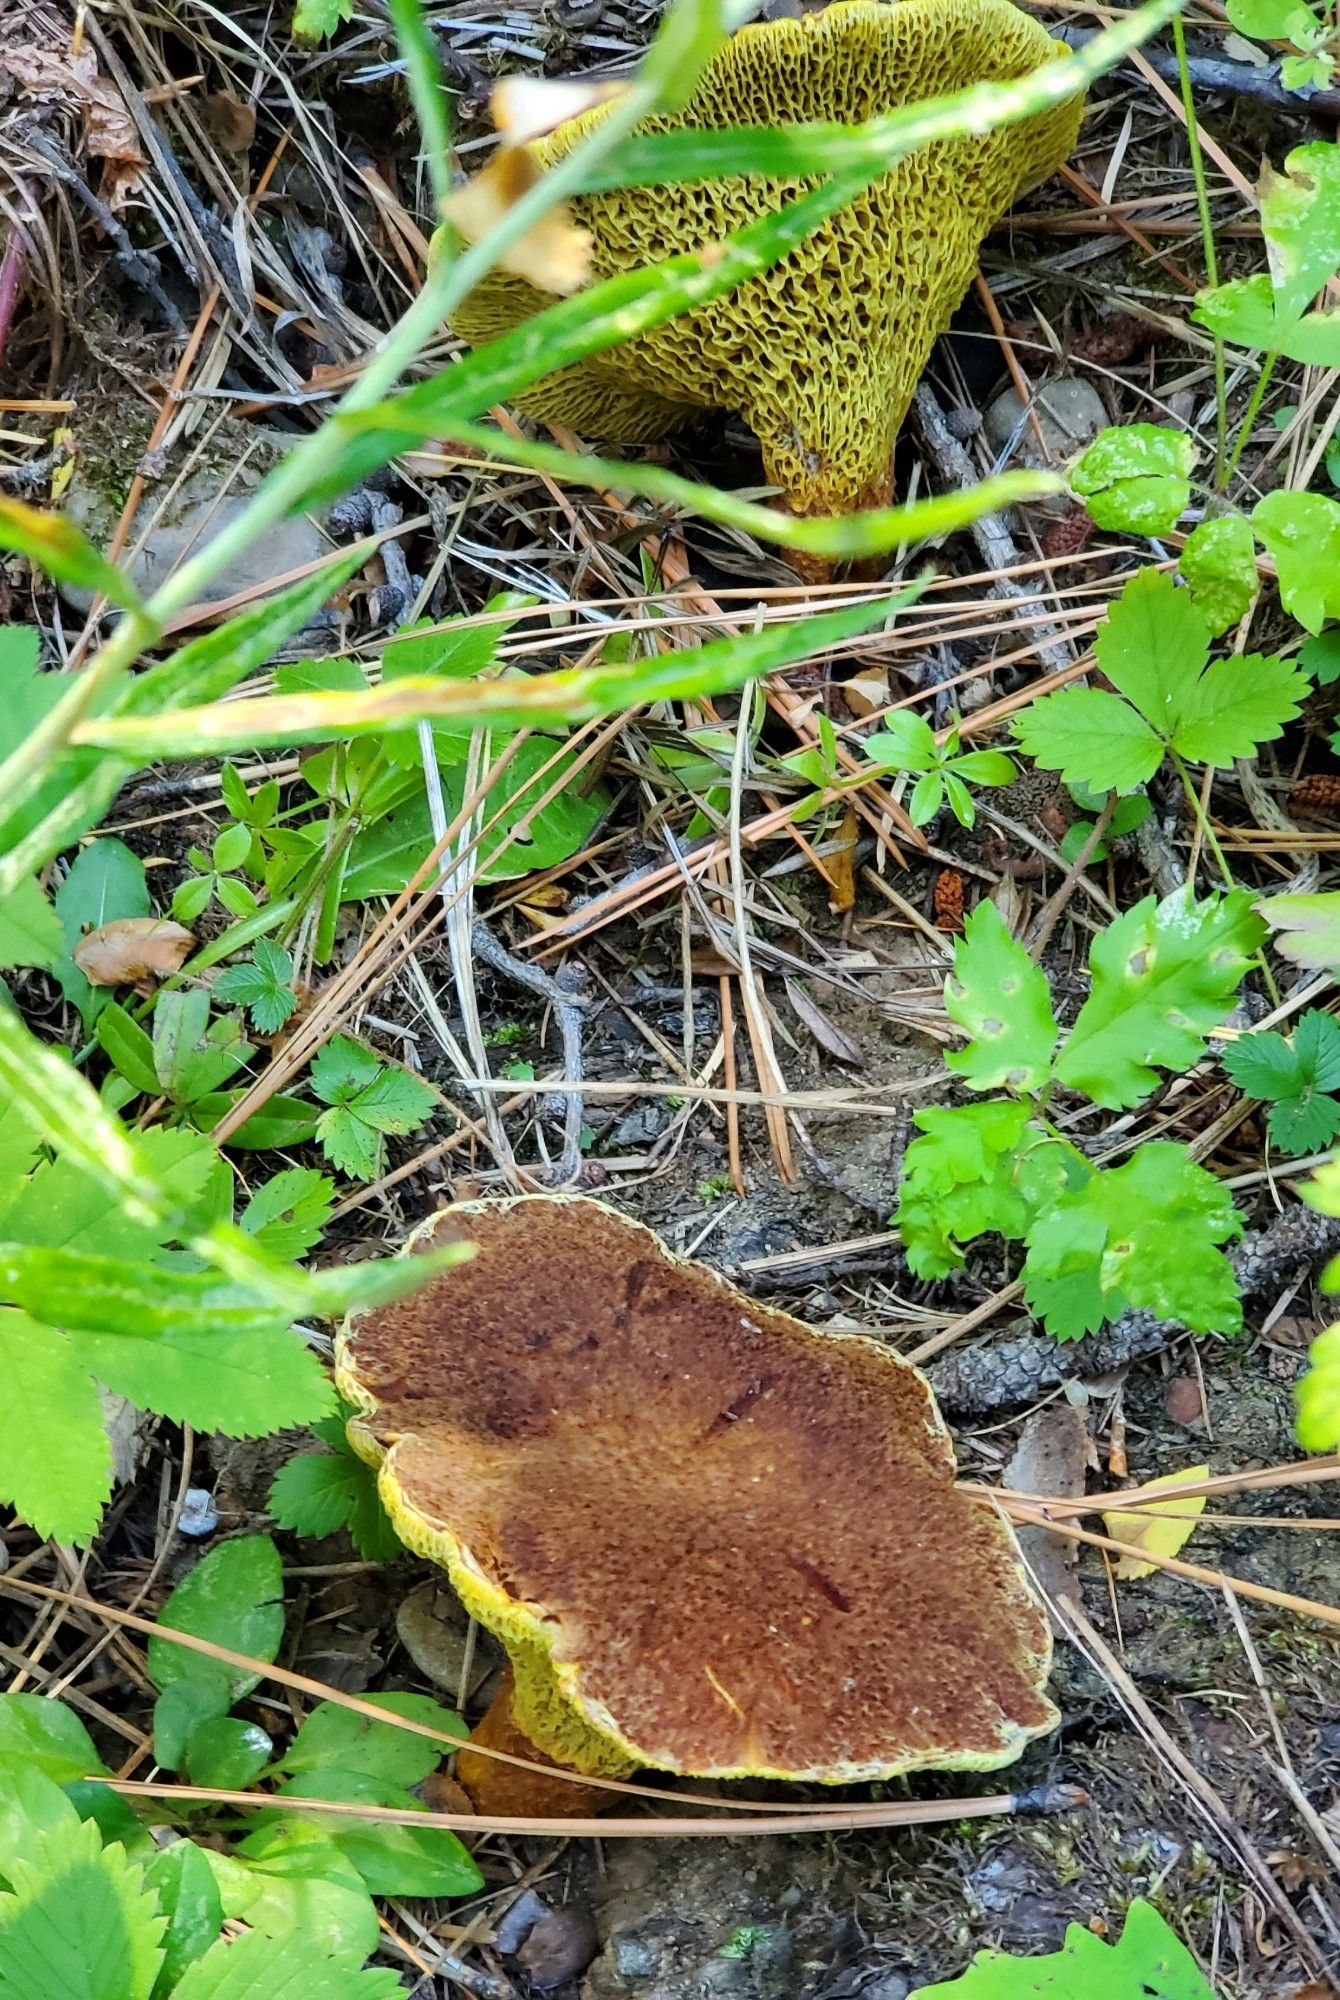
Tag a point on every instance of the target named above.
point(1004, 1372)
point(1233, 79)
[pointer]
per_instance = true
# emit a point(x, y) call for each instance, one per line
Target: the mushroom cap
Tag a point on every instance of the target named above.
point(822, 352)
point(713, 1540)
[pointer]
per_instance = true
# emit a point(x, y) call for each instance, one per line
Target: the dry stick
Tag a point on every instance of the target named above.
point(1302, 1472)
point(1050, 914)
point(1127, 228)
point(836, 1819)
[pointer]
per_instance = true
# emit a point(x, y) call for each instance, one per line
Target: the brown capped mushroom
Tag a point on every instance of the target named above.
point(712, 1539)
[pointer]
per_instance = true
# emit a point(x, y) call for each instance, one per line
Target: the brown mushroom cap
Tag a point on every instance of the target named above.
point(713, 1539)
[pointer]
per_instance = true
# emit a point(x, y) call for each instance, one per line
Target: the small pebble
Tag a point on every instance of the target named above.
point(199, 1515)
point(1181, 1402)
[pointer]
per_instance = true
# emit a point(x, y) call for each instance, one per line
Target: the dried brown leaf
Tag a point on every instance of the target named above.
point(133, 951)
point(61, 77)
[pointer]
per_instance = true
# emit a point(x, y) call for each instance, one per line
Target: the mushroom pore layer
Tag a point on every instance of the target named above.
point(822, 352)
point(712, 1539)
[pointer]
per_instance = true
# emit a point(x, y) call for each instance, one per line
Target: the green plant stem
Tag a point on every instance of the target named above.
point(1254, 403)
point(1202, 819)
point(1207, 241)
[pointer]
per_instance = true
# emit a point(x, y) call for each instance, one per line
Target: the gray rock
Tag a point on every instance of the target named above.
point(432, 1626)
point(175, 521)
point(1070, 412)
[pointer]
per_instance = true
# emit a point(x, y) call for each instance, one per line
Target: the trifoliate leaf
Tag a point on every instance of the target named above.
point(1150, 1228)
point(1162, 976)
point(958, 1183)
point(1236, 705)
point(1218, 563)
point(1134, 478)
point(1091, 738)
point(997, 993)
point(1318, 1395)
point(1301, 531)
point(1147, 1963)
point(367, 1098)
point(30, 930)
point(262, 986)
point(1295, 1080)
point(1162, 1526)
point(233, 1597)
point(257, 1967)
point(78, 1921)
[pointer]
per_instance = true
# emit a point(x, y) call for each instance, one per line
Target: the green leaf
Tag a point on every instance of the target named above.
point(105, 881)
point(367, 1098)
point(287, 1215)
point(1307, 928)
point(49, 1737)
point(263, 986)
point(1301, 531)
point(1135, 478)
point(1274, 20)
point(282, 1121)
point(78, 1922)
point(1264, 1066)
point(188, 1898)
point(1162, 976)
point(316, 1493)
point(313, 20)
point(257, 1967)
point(927, 798)
point(1153, 645)
point(233, 1597)
point(959, 1183)
point(227, 1752)
point(1316, 1042)
point(334, 1738)
point(54, 543)
point(1320, 657)
point(985, 767)
point(55, 1461)
point(1244, 311)
point(1307, 72)
point(1306, 1123)
point(1236, 705)
point(1218, 563)
point(1149, 1228)
point(30, 1804)
point(186, 1705)
point(1003, 1000)
point(1318, 1395)
point(30, 931)
point(904, 741)
point(1300, 220)
point(395, 1860)
point(1091, 738)
point(289, 1877)
point(180, 1020)
point(1148, 1963)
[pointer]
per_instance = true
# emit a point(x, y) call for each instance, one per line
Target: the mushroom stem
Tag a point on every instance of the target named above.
point(505, 1789)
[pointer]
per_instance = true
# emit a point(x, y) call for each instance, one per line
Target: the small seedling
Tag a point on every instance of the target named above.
point(1295, 1078)
point(906, 742)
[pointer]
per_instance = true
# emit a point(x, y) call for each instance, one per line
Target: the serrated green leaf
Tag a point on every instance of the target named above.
point(1147, 1963)
point(1218, 562)
point(1306, 1123)
point(313, 20)
point(1263, 1065)
point(55, 1461)
point(30, 931)
point(1320, 656)
point(1149, 1229)
point(958, 1183)
point(1236, 705)
point(1134, 478)
point(257, 1967)
point(1316, 1042)
point(316, 1493)
point(233, 1597)
point(997, 993)
point(78, 1922)
point(1153, 645)
point(1091, 738)
point(1301, 531)
point(1162, 976)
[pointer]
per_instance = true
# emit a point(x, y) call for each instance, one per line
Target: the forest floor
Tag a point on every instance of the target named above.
point(1202, 1727)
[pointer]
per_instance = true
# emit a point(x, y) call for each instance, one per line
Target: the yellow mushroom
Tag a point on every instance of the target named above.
point(713, 1540)
point(821, 353)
